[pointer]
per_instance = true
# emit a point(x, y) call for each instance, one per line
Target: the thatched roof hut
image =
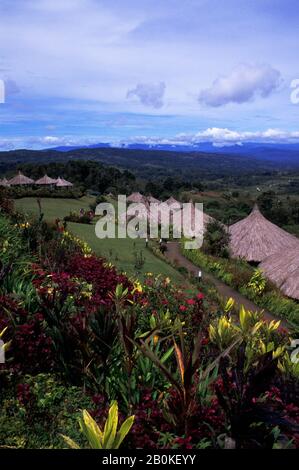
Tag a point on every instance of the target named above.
point(255, 238)
point(4, 182)
point(136, 197)
point(45, 180)
point(62, 183)
point(282, 269)
point(173, 201)
point(20, 180)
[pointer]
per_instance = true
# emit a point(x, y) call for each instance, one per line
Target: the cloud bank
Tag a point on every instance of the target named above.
point(243, 84)
point(221, 137)
point(218, 137)
point(149, 94)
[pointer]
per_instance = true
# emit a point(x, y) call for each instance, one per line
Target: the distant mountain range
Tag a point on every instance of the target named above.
point(152, 162)
point(285, 153)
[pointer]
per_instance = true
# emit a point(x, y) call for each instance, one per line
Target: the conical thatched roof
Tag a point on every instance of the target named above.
point(255, 238)
point(282, 269)
point(136, 197)
point(45, 180)
point(62, 183)
point(4, 182)
point(20, 179)
point(172, 200)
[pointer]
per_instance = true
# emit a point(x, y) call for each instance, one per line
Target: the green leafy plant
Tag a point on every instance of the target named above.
point(257, 283)
point(109, 437)
point(289, 367)
point(183, 380)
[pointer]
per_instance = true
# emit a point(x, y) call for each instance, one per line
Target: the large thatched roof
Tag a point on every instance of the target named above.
point(20, 179)
point(62, 183)
point(282, 269)
point(255, 238)
point(46, 180)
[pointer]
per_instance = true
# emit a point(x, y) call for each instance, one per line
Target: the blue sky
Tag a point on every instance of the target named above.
point(181, 71)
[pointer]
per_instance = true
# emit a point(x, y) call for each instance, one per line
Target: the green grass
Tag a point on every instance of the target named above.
point(53, 208)
point(119, 251)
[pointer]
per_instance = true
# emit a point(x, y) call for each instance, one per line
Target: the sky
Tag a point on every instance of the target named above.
point(153, 71)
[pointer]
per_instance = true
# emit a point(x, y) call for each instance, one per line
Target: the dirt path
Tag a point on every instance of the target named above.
point(174, 254)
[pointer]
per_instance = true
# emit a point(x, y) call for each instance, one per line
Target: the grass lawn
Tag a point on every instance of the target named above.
point(53, 208)
point(119, 251)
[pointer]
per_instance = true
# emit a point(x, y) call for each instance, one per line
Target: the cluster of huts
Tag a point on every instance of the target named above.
point(147, 200)
point(258, 241)
point(22, 180)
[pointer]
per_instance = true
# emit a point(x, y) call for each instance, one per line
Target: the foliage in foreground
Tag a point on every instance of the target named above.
point(110, 438)
point(249, 282)
point(83, 336)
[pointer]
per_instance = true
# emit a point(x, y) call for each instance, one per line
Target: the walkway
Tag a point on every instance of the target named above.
point(174, 255)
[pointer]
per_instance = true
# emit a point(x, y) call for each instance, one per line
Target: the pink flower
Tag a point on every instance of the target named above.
point(183, 308)
point(200, 296)
point(191, 302)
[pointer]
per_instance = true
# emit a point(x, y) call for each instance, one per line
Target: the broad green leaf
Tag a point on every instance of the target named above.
point(110, 426)
point(91, 431)
point(124, 430)
point(167, 355)
point(243, 317)
point(72, 444)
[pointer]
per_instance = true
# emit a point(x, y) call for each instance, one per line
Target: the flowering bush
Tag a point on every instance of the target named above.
point(31, 348)
point(192, 379)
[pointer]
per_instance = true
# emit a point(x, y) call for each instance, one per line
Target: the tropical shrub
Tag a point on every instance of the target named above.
point(110, 437)
point(192, 374)
point(247, 374)
point(216, 241)
point(37, 409)
point(84, 217)
point(249, 282)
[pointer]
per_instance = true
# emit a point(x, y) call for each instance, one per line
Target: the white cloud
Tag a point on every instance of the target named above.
point(149, 94)
point(221, 137)
point(218, 137)
point(243, 84)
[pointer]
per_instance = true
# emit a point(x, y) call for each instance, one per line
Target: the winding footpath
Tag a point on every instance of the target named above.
point(173, 253)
